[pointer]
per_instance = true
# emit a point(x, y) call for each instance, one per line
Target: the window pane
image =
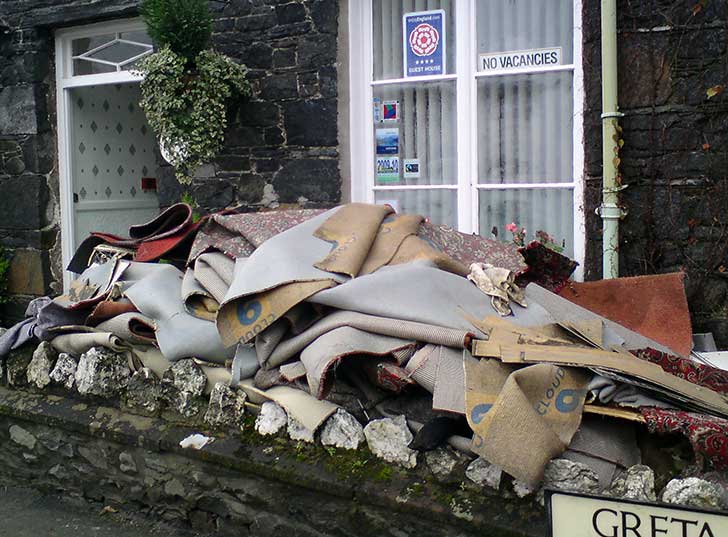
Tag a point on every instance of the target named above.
point(387, 33)
point(440, 206)
point(536, 209)
point(138, 37)
point(416, 124)
point(511, 25)
point(85, 67)
point(525, 128)
point(84, 44)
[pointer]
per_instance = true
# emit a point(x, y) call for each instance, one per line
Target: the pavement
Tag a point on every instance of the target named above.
point(28, 513)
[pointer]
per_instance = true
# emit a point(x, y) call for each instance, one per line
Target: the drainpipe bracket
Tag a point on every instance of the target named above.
point(614, 190)
point(610, 211)
point(608, 115)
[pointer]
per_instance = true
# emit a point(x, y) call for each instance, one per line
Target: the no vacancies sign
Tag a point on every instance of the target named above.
point(519, 59)
point(575, 515)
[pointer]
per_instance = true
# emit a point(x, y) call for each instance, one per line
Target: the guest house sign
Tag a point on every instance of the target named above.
point(423, 35)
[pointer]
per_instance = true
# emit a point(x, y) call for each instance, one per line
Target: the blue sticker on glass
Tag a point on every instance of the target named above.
point(387, 141)
point(424, 43)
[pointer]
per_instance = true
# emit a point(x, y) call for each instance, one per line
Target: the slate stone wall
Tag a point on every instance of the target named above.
point(675, 154)
point(284, 137)
point(242, 483)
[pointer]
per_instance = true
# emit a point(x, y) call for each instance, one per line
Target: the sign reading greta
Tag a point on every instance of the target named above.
point(575, 515)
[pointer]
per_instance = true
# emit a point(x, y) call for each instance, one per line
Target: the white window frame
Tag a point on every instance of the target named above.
point(65, 81)
point(361, 124)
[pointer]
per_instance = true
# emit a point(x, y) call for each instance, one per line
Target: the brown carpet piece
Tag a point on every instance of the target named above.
point(654, 306)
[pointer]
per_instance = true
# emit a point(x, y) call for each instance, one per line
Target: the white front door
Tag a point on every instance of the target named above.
point(112, 150)
point(107, 151)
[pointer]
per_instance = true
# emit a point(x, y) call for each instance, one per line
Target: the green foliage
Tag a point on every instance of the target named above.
point(185, 26)
point(185, 105)
point(4, 268)
point(190, 200)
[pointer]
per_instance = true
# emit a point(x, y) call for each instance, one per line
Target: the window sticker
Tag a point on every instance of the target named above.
point(423, 35)
point(387, 169)
point(387, 141)
point(377, 110)
point(390, 111)
point(519, 59)
point(411, 168)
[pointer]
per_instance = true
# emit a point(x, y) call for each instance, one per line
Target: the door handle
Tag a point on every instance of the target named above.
point(75, 198)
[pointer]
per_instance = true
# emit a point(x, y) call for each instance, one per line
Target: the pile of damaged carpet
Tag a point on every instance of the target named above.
point(360, 324)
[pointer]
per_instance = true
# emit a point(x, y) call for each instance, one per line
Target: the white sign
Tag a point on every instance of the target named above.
point(519, 59)
point(411, 168)
point(573, 515)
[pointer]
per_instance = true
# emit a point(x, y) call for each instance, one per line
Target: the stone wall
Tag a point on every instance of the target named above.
point(284, 137)
point(101, 449)
point(675, 146)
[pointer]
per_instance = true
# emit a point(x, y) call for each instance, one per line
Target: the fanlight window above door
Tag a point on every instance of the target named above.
point(109, 53)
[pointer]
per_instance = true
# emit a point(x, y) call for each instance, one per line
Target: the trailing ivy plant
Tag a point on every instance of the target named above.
point(186, 85)
point(4, 269)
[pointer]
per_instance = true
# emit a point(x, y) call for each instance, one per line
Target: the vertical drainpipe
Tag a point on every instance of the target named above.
point(610, 211)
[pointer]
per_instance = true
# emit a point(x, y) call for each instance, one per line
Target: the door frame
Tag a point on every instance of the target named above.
point(65, 81)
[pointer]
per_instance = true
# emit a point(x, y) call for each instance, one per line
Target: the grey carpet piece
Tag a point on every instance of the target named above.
point(607, 391)
point(420, 292)
point(293, 371)
point(449, 393)
point(191, 287)
point(288, 257)
point(422, 367)
point(43, 317)
point(408, 330)
point(133, 328)
point(214, 272)
point(606, 446)
point(25, 330)
point(267, 342)
point(245, 363)
point(78, 343)
point(158, 295)
point(326, 351)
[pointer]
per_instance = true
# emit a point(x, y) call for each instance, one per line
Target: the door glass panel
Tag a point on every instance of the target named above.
point(440, 206)
point(118, 52)
point(536, 209)
point(387, 38)
point(112, 148)
point(416, 124)
point(512, 25)
point(525, 128)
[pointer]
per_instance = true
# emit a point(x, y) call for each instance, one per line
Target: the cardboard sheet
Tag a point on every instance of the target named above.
point(622, 363)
